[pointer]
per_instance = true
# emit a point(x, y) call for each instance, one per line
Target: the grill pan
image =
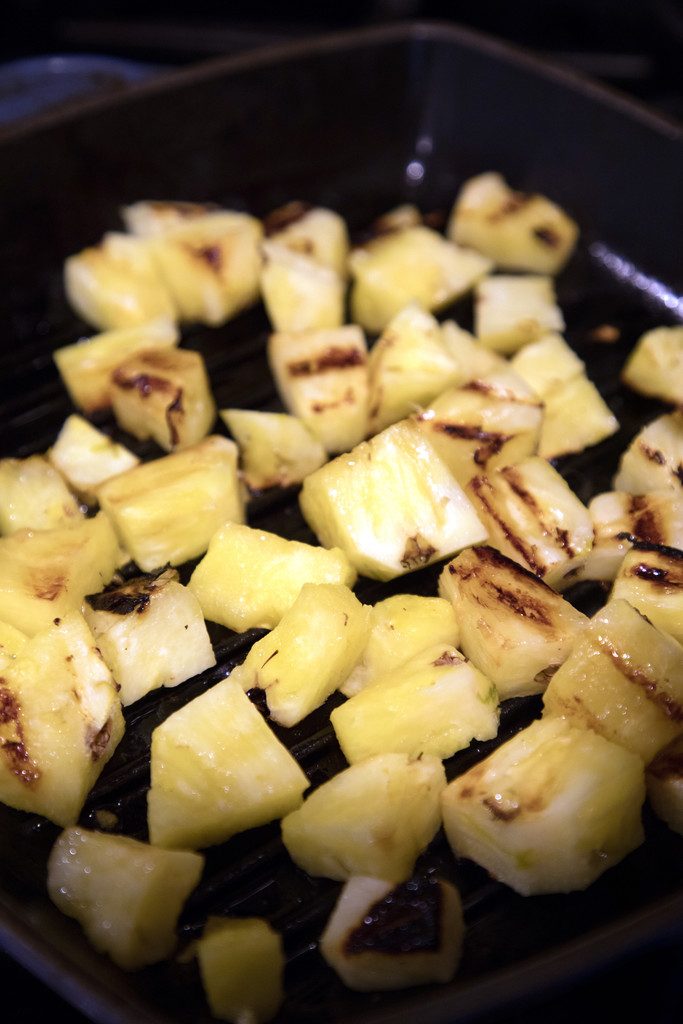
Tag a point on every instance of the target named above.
point(358, 122)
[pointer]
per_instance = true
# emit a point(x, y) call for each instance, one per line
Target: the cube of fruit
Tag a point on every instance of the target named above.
point(167, 510)
point(86, 457)
point(664, 780)
point(115, 284)
point(60, 722)
point(12, 642)
point(400, 627)
point(373, 818)
point(534, 517)
point(654, 459)
point(550, 810)
point(300, 294)
point(151, 218)
point(518, 230)
point(619, 519)
point(381, 936)
point(310, 652)
point(322, 378)
point(276, 449)
point(312, 231)
point(655, 366)
point(164, 394)
point(576, 417)
point(406, 215)
point(33, 496)
point(241, 961)
point(86, 366)
point(45, 573)
point(217, 769)
point(474, 359)
point(127, 895)
point(623, 679)
point(651, 579)
point(436, 703)
point(413, 265)
point(512, 311)
point(548, 363)
point(251, 578)
point(513, 627)
point(151, 633)
point(391, 504)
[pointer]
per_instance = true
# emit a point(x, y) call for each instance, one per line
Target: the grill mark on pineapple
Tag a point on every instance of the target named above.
point(558, 533)
point(348, 398)
point(183, 209)
point(637, 675)
point(145, 384)
point(417, 551)
point(283, 216)
point(653, 454)
point(520, 603)
point(511, 204)
point(47, 587)
point(477, 484)
point(336, 357)
point(547, 236)
point(668, 764)
point(492, 442)
point(655, 574)
point(174, 412)
point(645, 523)
point(97, 740)
point(211, 255)
point(13, 745)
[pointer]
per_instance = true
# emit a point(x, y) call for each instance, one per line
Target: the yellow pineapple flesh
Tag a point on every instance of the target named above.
point(241, 961)
point(576, 417)
point(620, 519)
point(654, 459)
point(150, 218)
point(655, 366)
point(312, 231)
point(86, 457)
point(651, 579)
point(12, 642)
point(474, 360)
point(512, 311)
point(300, 294)
point(33, 496)
point(276, 449)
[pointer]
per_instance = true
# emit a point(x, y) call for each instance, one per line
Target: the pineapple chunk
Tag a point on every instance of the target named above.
point(651, 579)
point(655, 366)
point(408, 366)
point(576, 417)
point(493, 421)
point(400, 627)
point(251, 578)
point(533, 517)
point(127, 895)
point(12, 642)
point(547, 364)
point(242, 962)
point(381, 936)
point(620, 519)
point(46, 573)
point(33, 496)
point(624, 680)
point(217, 769)
point(60, 721)
point(116, 284)
point(373, 818)
point(474, 360)
point(298, 293)
point(415, 264)
point(276, 449)
point(86, 457)
point(167, 510)
point(654, 459)
point(514, 311)
point(165, 395)
point(151, 633)
point(391, 504)
point(86, 366)
point(513, 627)
point(436, 703)
point(309, 653)
point(322, 378)
point(664, 779)
point(151, 218)
point(548, 811)
point(407, 215)
point(311, 231)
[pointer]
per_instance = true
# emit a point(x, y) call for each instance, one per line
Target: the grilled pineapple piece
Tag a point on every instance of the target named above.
point(519, 231)
point(298, 293)
point(241, 961)
point(322, 378)
point(415, 264)
point(373, 818)
point(61, 721)
point(408, 366)
point(547, 364)
point(276, 449)
point(655, 366)
point(391, 504)
point(624, 680)
point(548, 811)
point(664, 779)
point(45, 573)
point(654, 459)
point(381, 936)
point(86, 366)
point(576, 417)
point(165, 395)
point(312, 231)
point(620, 519)
point(251, 578)
point(151, 633)
point(127, 895)
point(167, 510)
point(86, 457)
point(492, 421)
point(310, 652)
point(533, 517)
point(512, 311)
point(407, 215)
point(513, 627)
point(436, 703)
point(651, 579)
point(400, 627)
point(33, 496)
point(217, 769)
point(12, 642)
point(473, 359)
point(151, 218)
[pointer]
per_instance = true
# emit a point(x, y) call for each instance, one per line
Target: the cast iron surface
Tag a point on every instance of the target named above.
point(358, 123)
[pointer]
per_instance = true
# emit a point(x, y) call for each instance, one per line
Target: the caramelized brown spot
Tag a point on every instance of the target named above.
point(283, 216)
point(12, 741)
point(133, 596)
point(511, 204)
point(417, 551)
point(548, 236)
point(653, 454)
point(406, 920)
point(500, 811)
point(522, 604)
point(448, 658)
point(348, 398)
point(668, 764)
point(145, 384)
point(640, 677)
point(527, 498)
point(334, 358)
point(645, 522)
point(212, 255)
point(183, 209)
point(478, 485)
point(175, 412)
point(98, 741)
point(47, 587)
point(651, 573)
point(491, 442)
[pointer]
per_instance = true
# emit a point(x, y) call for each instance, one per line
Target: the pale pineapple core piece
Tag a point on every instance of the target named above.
point(512, 311)
point(241, 961)
point(664, 779)
point(298, 293)
point(217, 769)
point(655, 366)
point(390, 504)
point(373, 818)
point(311, 231)
point(33, 496)
point(651, 579)
point(550, 810)
point(654, 459)
point(86, 457)
point(620, 519)
point(127, 895)
point(276, 449)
